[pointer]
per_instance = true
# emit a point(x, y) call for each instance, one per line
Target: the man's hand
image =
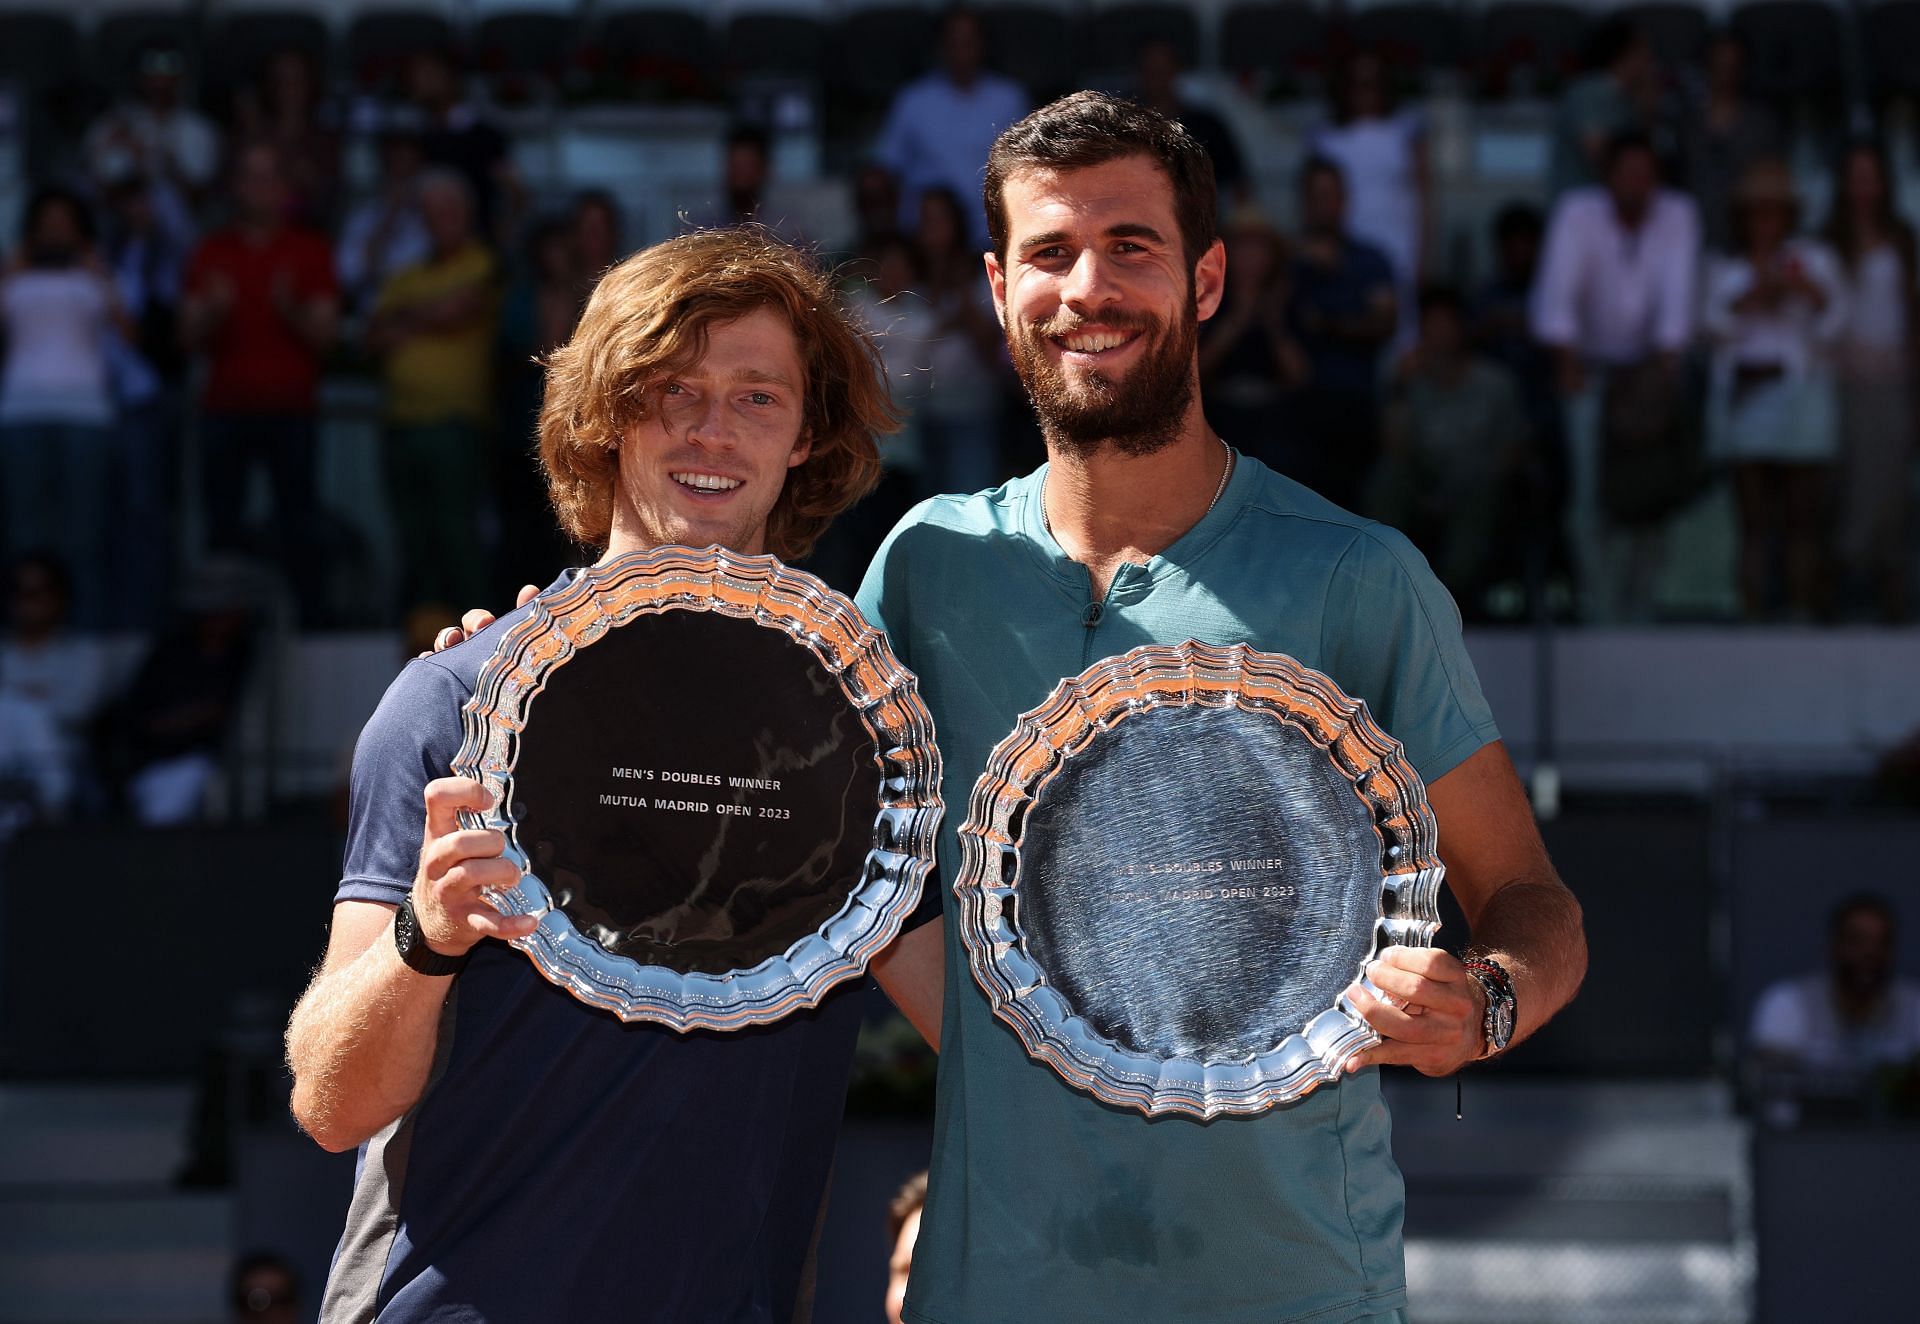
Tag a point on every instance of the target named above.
point(456, 865)
point(474, 622)
point(1432, 1018)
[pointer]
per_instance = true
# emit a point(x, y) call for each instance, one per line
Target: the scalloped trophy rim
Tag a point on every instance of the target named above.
point(1143, 679)
point(761, 589)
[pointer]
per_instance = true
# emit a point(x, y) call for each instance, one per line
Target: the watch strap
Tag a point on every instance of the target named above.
point(413, 949)
point(1502, 1009)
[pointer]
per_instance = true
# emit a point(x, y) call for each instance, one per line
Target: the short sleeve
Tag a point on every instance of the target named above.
point(1391, 636)
point(410, 740)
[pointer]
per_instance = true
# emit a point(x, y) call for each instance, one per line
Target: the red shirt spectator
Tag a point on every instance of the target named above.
point(257, 359)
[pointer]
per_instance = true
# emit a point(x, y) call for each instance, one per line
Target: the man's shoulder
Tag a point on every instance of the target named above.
point(1288, 523)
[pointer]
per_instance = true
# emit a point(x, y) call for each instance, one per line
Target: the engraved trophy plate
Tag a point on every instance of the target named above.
point(719, 784)
point(1173, 868)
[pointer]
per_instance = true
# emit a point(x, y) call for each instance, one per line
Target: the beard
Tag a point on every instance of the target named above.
point(1136, 415)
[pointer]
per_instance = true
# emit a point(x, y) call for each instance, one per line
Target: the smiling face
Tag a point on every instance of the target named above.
point(1100, 304)
point(709, 460)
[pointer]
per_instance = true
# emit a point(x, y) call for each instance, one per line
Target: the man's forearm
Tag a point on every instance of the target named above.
point(361, 1044)
point(1533, 928)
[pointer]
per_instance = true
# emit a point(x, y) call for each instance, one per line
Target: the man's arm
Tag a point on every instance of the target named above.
point(361, 1040)
point(912, 970)
point(1518, 913)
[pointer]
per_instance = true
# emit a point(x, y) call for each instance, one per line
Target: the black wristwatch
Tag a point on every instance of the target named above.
point(412, 945)
point(1497, 984)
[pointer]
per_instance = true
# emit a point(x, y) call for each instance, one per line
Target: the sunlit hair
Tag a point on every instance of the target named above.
point(648, 318)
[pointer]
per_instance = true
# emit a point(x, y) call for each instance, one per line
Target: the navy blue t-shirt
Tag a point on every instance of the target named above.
point(562, 1165)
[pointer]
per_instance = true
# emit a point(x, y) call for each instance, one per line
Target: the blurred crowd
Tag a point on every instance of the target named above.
point(1662, 327)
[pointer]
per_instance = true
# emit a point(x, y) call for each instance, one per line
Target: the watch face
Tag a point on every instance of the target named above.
point(405, 930)
point(1502, 1023)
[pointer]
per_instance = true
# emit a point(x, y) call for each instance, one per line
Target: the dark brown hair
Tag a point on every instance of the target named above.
point(1090, 129)
point(648, 318)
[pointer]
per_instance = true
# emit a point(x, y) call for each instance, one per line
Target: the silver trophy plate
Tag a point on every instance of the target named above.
point(1172, 870)
point(720, 786)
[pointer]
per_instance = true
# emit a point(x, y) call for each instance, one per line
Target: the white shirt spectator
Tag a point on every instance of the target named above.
point(939, 133)
point(1793, 336)
point(1797, 1018)
point(181, 146)
point(32, 758)
point(57, 321)
point(68, 675)
point(1616, 295)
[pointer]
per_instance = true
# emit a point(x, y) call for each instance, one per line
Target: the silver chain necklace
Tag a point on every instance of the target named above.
point(1226, 472)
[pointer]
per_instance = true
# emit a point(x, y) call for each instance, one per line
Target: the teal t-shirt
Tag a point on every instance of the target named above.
point(1045, 1204)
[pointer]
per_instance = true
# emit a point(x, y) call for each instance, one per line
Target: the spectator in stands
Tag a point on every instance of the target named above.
point(1726, 134)
point(940, 126)
point(1248, 358)
point(1852, 1020)
point(264, 1289)
point(434, 326)
point(282, 106)
point(1615, 302)
point(1157, 69)
point(1619, 92)
point(538, 314)
point(966, 355)
point(42, 662)
point(745, 167)
point(1382, 155)
point(903, 324)
point(1342, 309)
point(36, 780)
point(1503, 332)
point(598, 243)
point(1880, 265)
point(58, 312)
point(456, 134)
point(384, 235)
point(162, 740)
point(903, 1230)
point(1455, 439)
point(261, 306)
point(156, 134)
point(1772, 313)
point(149, 238)
point(876, 209)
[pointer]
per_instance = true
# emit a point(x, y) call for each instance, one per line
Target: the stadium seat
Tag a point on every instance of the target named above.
point(1116, 33)
point(884, 47)
point(1272, 41)
point(114, 51)
point(778, 42)
point(1677, 32)
point(521, 51)
point(238, 44)
point(1409, 37)
point(1033, 44)
point(380, 41)
point(1892, 40)
point(39, 49)
point(650, 53)
point(1542, 38)
point(1795, 45)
